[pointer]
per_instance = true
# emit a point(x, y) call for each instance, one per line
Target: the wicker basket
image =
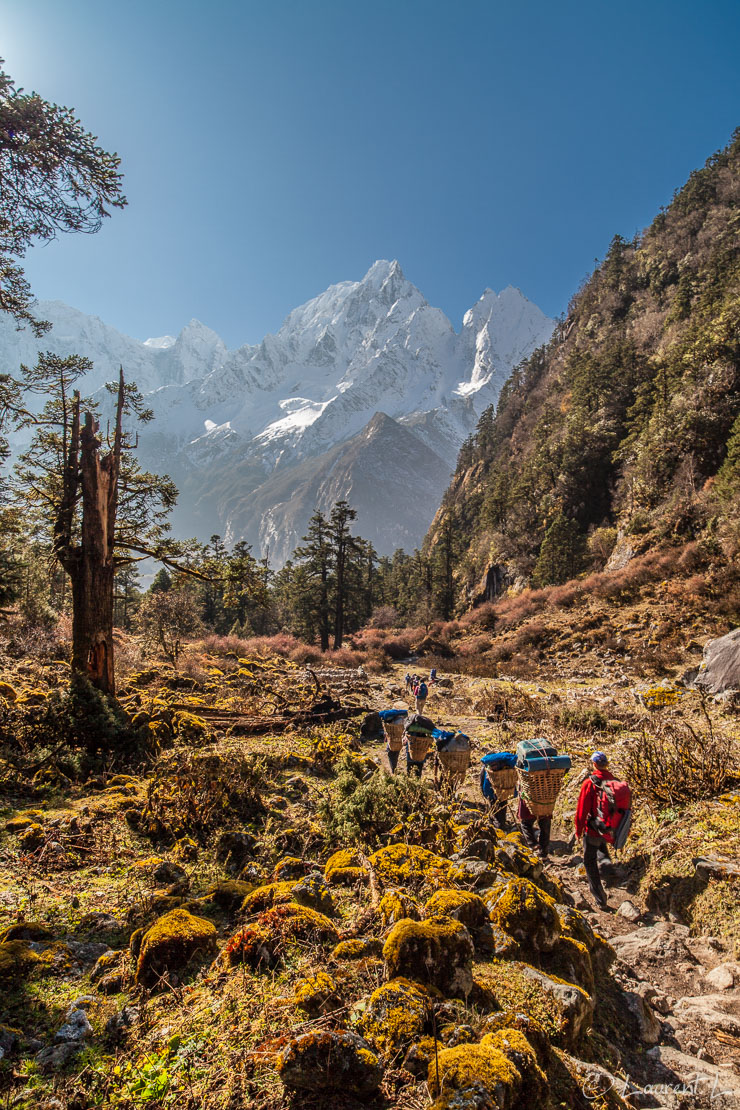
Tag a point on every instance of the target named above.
point(539, 789)
point(393, 731)
point(503, 782)
point(455, 763)
point(418, 747)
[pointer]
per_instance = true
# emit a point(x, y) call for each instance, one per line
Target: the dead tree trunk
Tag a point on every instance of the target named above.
point(90, 562)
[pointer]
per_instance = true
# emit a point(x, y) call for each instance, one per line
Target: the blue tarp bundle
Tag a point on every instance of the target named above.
point(555, 763)
point(497, 761)
point(391, 715)
point(440, 734)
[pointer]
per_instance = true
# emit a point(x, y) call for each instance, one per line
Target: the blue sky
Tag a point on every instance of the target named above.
point(273, 148)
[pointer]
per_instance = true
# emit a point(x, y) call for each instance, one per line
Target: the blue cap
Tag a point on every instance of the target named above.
point(600, 759)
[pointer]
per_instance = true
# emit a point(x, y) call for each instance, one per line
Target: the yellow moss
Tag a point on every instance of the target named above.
point(438, 951)
point(26, 930)
point(272, 894)
point(189, 728)
point(343, 867)
point(396, 1015)
point(471, 1064)
point(8, 692)
point(316, 993)
point(17, 960)
point(228, 893)
point(287, 866)
point(171, 942)
point(409, 865)
point(31, 837)
point(185, 850)
point(526, 913)
point(357, 949)
point(503, 985)
point(146, 866)
point(517, 1049)
point(460, 904)
point(298, 923)
point(395, 905)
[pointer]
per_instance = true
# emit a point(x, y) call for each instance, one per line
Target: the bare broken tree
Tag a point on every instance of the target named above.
point(105, 512)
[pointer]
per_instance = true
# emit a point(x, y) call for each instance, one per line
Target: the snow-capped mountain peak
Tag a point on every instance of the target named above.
point(238, 428)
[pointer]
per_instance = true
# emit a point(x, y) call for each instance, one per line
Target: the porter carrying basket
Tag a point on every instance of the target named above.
point(539, 789)
point(503, 782)
point(418, 746)
point(393, 731)
point(541, 772)
point(455, 763)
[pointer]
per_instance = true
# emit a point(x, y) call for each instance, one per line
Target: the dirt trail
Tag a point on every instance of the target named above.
point(680, 994)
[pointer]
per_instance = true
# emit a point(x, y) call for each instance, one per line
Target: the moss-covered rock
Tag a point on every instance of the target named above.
point(323, 1061)
point(263, 897)
point(575, 1007)
point(517, 1049)
point(420, 1055)
point(395, 905)
point(185, 850)
point(317, 994)
point(526, 913)
point(17, 961)
point(299, 923)
point(228, 893)
point(289, 867)
point(314, 893)
point(251, 946)
point(463, 905)
point(397, 1014)
point(407, 865)
point(478, 1068)
point(570, 960)
point(357, 949)
point(32, 837)
point(437, 952)
point(171, 943)
point(26, 930)
point(343, 868)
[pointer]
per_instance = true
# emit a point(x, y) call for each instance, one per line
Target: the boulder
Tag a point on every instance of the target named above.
point(171, 943)
point(662, 944)
point(714, 1011)
point(437, 952)
point(396, 1015)
point(477, 1071)
point(323, 1061)
point(314, 893)
point(575, 1005)
point(720, 668)
point(344, 868)
point(648, 1026)
point(527, 914)
point(358, 948)
point(317, 994)
point(722, 978)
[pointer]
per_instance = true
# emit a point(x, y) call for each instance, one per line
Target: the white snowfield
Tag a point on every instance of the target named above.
point(360, 348)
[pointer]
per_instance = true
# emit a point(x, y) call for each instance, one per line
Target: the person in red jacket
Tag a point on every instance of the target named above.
point(594, 844)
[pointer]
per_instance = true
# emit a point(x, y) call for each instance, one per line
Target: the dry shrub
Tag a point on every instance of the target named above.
point(679, 762)
point(193, 794)
point(305, 654)
point(506, 702)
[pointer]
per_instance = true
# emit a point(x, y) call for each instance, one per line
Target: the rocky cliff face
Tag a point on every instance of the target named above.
point(258, 437)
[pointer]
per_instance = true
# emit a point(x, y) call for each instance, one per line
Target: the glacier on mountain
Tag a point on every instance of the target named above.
point(232, 426)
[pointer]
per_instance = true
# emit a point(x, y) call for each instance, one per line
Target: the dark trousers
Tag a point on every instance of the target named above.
point(541, 840)
point(593, 847)
point(392, 758)
point(498, 815)
point(414, 765)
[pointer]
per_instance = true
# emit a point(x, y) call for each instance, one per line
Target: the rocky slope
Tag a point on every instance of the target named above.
point(232, 424)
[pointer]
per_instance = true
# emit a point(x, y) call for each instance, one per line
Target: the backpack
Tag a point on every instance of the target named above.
point(421, 690)
point(613, 818)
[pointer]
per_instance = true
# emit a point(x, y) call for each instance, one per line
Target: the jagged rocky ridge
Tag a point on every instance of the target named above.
point(365, 392)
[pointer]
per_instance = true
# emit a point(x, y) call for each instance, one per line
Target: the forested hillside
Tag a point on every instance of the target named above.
point(624, 429)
